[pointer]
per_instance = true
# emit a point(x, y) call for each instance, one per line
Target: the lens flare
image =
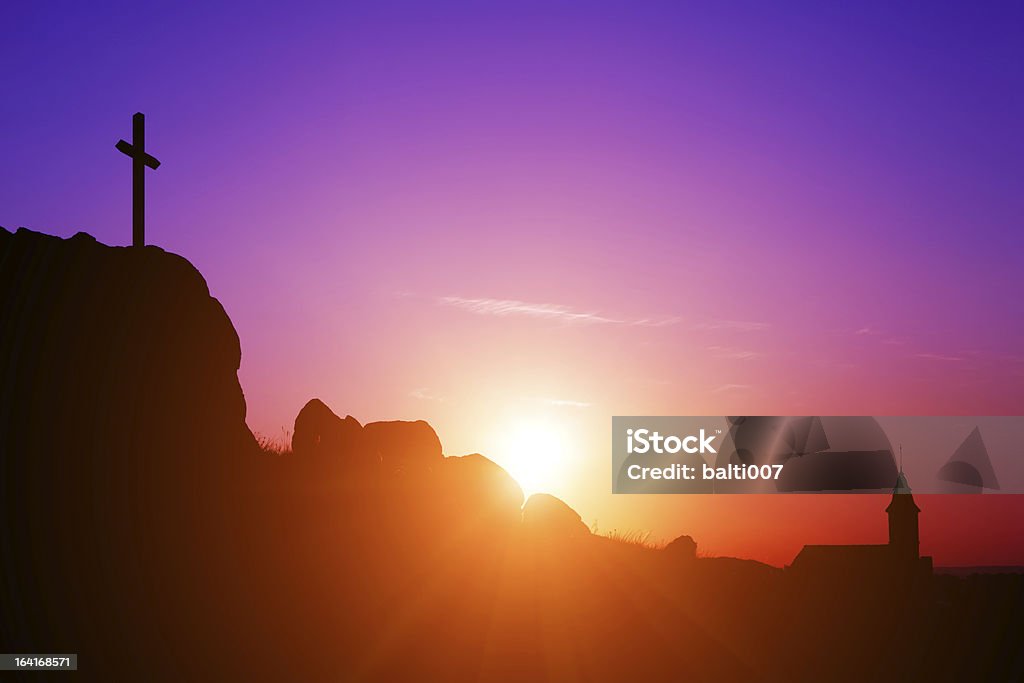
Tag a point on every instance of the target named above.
point(535, 452)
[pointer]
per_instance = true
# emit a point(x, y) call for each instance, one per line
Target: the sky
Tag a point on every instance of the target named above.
point(515, 220)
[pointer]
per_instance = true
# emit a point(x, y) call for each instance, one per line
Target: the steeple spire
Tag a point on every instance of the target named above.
point(902, 511)
point(901, 479)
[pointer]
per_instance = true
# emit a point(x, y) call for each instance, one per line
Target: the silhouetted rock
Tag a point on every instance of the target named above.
point(546, 515)
point(406, 448)
point(122, 421)
point(479, 491)
point(122, 348)
point(683, 549)
point(318, 431)
point(337, 448)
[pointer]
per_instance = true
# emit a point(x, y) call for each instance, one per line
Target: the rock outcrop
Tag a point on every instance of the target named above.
point(406, 448)
point(479, 492)
point(318, 432)
point(682, 549)
point(111, 349)
point(547, 516)
point(122, 425)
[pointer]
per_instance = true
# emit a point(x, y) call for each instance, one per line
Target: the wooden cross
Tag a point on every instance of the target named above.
point(140, 159)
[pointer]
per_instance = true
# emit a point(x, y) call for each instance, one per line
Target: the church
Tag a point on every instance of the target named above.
point(897, 563)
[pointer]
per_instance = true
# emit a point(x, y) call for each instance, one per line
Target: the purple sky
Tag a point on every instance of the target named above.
point(483, 214)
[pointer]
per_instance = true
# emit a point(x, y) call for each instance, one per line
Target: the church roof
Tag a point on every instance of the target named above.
point(842, 560)
point(831, 552)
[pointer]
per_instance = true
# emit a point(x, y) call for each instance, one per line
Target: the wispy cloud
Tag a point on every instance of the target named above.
point(833, 363)
point(734, 354)
point(887, 339)
point(656, 322)
point(734, 325)
point(939, 357)
point(563, 403)
point(730, 387)
point(511, 307)
point(547, 311)
point(883, 336)
point(424, 394)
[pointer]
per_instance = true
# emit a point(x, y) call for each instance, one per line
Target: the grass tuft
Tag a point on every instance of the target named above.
point(635, 537)
point(279, 445)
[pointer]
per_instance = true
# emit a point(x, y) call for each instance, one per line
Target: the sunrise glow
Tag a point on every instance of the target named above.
point(534, 451)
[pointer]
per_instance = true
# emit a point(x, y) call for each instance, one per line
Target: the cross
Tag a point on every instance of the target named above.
point(140, 159)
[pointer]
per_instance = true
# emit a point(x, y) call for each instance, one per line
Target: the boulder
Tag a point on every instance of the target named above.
point(335, 449)
point(546, 515)
point(478, 491)
point(682, 549)
point(407, 449)
point(318, 431)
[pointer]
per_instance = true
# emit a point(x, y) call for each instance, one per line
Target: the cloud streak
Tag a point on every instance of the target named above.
point(511, 307)
point(544, 311)
point(730, 387)
point(563, 403)
point(423, 394)
point(939, 357)
point(733, 325)
point(735, 354)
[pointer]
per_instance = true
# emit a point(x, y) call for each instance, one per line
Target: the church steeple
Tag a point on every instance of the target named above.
point(901, 487)
point(903, 512)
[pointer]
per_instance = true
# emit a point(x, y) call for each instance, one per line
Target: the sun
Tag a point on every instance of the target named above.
point(534, 451)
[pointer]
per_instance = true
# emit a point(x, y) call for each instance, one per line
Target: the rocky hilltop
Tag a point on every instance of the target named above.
point(115, 349)
point(121, 422)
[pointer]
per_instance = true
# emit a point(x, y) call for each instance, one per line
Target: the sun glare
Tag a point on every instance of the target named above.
point(534, 452)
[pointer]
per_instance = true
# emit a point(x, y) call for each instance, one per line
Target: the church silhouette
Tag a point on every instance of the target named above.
point(896, 564)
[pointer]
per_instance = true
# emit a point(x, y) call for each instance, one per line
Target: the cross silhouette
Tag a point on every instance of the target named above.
point(140, 159)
